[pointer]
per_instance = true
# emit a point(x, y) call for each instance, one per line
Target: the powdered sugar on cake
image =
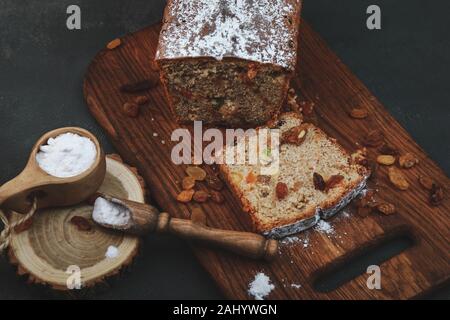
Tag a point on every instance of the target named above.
point(258, 30)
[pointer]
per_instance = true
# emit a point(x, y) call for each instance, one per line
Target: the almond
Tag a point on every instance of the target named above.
point(196, 172)
point(373, 138)
point(319, 183)
point(114, 44)
point(408, 160)
point(295, 135)
point(185, 196)
point(188, 183)
point(131, 109)
point(200, 196)
point(386, 208)
point(386, 159)
point(425, 182)
point(281, 190)
point(397, 178)
point(359, 113)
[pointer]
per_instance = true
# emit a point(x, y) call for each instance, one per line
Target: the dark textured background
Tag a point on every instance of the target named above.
point(42, 64)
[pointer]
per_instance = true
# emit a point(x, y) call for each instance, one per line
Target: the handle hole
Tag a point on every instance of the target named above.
point(356, 263)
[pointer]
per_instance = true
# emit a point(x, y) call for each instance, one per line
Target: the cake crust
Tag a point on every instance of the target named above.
point(263, 31)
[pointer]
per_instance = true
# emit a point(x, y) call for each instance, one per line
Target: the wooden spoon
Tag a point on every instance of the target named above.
point(145, 218)
point(52, 191)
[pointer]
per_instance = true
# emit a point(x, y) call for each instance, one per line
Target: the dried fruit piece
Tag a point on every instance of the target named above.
point(188, 183)
point(252, 72)
point(114, 44)
point(214, 183)
point(436, 195)
point(281, 190)
point(307, 107)
point(397, 178)
point(200, 196)
point(297, 186)
point(185, 196)
point(236, 177)
point(24, 226)
point(359, 113)
point(386, 159)
point(141, 100)
point(139, 86)
point(359, 157)
point(263, 179)
point(426, 182)
point(196, 172)
point(295, 135)
point(217, 197)
point(291, 101)
point(333, 181)
point(131, 109)
point(319, 183)
point(388, 149)
point(373, 138)
point(250, 178)
point(408, 160)
point(81, 223)
point(386, 208)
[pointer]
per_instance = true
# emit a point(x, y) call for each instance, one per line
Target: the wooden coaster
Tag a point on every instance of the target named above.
point(53, 247)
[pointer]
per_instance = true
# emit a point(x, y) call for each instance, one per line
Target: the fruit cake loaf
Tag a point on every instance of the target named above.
point(316, 178)
point(228, 62)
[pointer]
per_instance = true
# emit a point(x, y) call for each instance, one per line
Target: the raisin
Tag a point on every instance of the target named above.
point(281, 190)
point(319, 183)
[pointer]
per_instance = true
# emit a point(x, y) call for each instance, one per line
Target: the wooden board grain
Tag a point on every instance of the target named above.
point(323, 79)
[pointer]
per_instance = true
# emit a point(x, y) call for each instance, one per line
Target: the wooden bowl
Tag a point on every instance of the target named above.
point(51, 191)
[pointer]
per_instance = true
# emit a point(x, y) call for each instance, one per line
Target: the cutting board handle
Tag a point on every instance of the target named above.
point(247, 244)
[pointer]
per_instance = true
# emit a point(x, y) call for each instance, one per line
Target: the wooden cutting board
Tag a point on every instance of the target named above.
point(322, 78)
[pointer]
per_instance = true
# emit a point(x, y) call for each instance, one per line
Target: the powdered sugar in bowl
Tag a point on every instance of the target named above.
point(65, 167)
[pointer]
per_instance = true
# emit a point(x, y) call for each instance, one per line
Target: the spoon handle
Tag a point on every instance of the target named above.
point(15, 194)
point(247, 244)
